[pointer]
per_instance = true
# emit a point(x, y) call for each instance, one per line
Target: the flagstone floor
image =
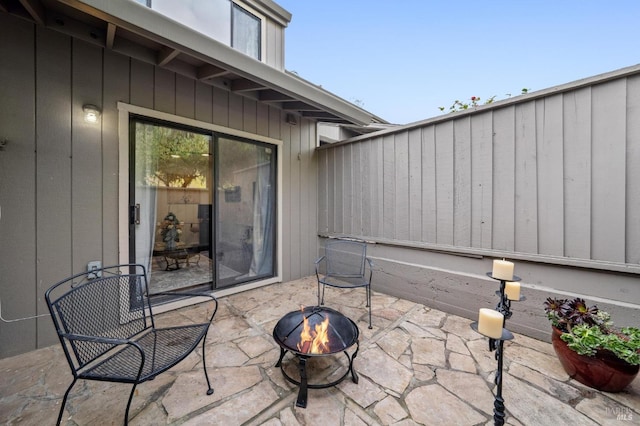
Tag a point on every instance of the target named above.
point(418, 366)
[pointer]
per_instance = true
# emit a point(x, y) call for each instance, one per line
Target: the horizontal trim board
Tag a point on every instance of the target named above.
point(481, 253)
point(133, 109)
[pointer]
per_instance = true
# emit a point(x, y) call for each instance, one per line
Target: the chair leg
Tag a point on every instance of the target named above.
point(204, 366)
point(64, 400)
point(126, 413)
point(320, 299)
point(369, 304)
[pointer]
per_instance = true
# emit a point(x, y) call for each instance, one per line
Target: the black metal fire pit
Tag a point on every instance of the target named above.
point(342, 334)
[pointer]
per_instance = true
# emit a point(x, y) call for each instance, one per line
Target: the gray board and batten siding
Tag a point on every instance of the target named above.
point(59, 175)
point(549, 180)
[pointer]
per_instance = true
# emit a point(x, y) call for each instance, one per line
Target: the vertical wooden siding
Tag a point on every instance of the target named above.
point(274, 44)
point(59, 175)
point(555, 176)
point(18, 200)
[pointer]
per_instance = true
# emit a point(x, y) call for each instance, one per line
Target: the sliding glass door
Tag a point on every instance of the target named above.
point(245, 225)
point(202, 206)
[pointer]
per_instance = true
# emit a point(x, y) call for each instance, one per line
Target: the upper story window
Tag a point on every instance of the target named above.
point(246, 34)
point(223, 20)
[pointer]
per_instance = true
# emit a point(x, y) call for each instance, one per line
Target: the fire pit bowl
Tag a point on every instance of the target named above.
point(315, 331)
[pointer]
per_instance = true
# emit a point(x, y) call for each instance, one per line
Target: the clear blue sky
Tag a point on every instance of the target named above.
point(402, 59)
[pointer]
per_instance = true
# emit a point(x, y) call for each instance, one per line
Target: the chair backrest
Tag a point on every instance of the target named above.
point(108, 305)
point(345, 258)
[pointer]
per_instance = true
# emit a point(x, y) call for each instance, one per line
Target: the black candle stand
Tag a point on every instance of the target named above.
point(504, 307)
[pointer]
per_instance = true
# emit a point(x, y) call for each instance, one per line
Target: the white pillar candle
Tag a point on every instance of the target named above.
point(490, 323)
point(512, 290)
point(502, 270)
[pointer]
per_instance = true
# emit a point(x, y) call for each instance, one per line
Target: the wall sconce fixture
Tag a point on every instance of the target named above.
point(291, 119)
point(91, 113)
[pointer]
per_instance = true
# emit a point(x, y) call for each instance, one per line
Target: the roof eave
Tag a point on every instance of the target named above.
point(148, 23)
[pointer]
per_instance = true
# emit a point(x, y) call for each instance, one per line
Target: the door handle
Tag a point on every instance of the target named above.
point(134, 214)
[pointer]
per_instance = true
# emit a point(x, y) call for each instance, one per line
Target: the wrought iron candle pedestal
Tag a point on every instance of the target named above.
point(504, 307)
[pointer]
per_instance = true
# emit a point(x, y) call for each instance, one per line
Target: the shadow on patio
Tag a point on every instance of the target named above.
point(417, 366)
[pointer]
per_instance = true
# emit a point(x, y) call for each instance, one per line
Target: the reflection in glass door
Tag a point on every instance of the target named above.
point(203, 207)
point(172, 199)
point(245, 214)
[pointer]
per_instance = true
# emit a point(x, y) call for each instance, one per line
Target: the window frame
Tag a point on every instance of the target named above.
point(262, 32)
point(125, 111)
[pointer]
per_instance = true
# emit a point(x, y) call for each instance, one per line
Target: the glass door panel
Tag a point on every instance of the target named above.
point(245, 214)
point(172, 194)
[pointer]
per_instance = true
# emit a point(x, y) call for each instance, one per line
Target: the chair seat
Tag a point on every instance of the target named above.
point(163, 348)
point(344, 282)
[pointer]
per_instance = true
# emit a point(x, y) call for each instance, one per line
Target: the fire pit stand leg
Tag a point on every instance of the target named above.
point(354, 375)
point(302, 393)
point(304, 384)
point(282, 354)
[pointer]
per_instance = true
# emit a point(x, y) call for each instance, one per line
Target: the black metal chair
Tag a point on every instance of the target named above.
point(345, 266)
point(106, 327)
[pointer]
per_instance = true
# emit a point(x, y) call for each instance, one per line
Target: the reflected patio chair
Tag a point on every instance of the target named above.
point(344, 265)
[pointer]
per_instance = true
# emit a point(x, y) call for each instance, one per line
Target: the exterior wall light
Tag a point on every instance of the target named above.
point(91, 113)
point(291, 119)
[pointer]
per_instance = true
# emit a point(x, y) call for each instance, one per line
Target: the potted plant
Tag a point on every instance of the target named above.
point(588, 346)
point(170, 231)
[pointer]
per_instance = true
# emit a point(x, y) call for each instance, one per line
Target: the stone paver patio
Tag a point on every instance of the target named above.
point(417, 366)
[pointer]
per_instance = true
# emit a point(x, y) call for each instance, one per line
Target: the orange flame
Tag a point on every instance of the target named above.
point(314, 341)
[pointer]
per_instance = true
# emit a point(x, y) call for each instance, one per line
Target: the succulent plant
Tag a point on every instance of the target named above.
point(586, 330)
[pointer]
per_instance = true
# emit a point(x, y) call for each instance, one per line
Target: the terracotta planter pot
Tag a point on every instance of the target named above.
point(604, 371)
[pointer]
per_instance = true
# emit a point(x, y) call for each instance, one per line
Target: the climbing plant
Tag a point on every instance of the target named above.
point(474, 101)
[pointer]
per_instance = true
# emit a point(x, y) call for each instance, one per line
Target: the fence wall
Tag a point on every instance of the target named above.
point(550, 180)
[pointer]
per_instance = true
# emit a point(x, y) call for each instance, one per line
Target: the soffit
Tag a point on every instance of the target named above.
point(134, 30)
